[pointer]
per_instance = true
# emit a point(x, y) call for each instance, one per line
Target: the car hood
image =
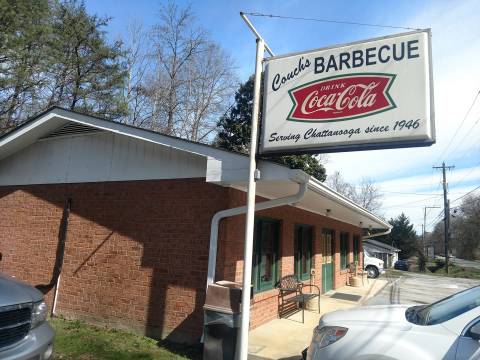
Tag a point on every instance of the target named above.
point(13, 291)
point(391, 315)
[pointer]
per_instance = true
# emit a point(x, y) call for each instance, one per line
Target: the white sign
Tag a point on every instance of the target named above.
point(366, 95)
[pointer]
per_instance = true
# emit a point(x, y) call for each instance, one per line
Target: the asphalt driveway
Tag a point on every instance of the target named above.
point(414, 288)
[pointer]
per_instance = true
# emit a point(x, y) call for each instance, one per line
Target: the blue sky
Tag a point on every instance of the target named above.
point(405, 176)
point(222, 21)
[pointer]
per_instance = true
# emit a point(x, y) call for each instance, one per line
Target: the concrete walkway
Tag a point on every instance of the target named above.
point(287, 338)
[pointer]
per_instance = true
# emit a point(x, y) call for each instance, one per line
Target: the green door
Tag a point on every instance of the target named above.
point(328, 246)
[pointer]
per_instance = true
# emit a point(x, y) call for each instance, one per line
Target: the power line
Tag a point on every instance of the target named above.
point(461, 197)
point(402, 186)
point(327, 21)
point(436, 202)
point(468, 133)
point(411, 202)
point(408, 193)
point(435, 219)
point(474, 167)
point(466, 202)
point(458, 128)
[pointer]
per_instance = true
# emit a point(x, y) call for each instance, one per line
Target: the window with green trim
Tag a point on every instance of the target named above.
point(356, 248)
point(303, 251)
point(265, 254)
point(343, 250)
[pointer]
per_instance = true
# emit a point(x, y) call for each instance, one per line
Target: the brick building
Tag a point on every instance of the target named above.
point(138, 243)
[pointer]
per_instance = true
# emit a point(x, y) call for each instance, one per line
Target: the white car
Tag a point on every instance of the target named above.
point(447, 329)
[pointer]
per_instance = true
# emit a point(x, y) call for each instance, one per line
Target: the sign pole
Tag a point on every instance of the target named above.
point(248, 249)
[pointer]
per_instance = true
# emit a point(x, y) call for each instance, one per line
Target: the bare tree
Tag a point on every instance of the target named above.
point(368, 195)
point(207, 92)
point(137, 66)
point(338, 183)
point(365, 194)
point(175, 42)
point(464, 228)
point(192, 79)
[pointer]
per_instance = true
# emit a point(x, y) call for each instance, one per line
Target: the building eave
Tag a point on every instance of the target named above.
point(223, 167)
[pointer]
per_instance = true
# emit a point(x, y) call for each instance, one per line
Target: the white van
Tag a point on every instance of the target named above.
point(373, 265)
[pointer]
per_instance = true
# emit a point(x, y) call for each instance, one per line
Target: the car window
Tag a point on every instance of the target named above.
point(473, 329)
point(447, 308)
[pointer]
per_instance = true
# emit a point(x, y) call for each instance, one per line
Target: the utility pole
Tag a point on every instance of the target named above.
point(423, 237)
point(424, 224)
point(446, 209)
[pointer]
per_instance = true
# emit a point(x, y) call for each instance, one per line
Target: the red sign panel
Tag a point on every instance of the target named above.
point(342, 98)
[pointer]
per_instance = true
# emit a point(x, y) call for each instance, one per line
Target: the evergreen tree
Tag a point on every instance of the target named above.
point(55, 53)
point(24, 32)
point(402, 236)
point(88, 73)
point(234, 133)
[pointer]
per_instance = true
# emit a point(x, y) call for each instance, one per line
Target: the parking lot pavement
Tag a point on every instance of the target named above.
point(414, 288)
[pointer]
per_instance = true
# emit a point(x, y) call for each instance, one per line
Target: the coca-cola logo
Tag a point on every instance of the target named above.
point(342, 97)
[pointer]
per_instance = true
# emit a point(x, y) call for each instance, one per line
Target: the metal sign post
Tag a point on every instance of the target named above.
point(371, 94)
point(242, 352)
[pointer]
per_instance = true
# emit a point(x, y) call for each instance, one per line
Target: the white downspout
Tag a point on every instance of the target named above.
point(55, 296)
point(287, 200)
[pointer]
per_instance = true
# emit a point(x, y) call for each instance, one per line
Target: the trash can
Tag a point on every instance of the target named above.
point(221, 320)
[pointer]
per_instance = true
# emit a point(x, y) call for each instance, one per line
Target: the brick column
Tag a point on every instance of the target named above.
point(287, 255)
point(336, 257)
point(350, 248)
point(317, 255)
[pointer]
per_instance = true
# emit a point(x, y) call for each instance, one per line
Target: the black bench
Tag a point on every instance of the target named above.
point(292, 298)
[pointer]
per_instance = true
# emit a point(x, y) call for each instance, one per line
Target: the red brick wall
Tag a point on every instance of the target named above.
point(136, 252)
point(230, 262)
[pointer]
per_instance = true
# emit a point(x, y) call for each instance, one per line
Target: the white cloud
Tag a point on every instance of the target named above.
point(456, 50)
point(411, 194)
point(401, 172)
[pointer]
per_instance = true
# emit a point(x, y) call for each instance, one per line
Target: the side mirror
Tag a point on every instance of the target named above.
point(474, 331)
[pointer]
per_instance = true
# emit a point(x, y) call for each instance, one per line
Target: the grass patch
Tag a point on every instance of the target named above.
point(391, 272)
point(78, 340)
point(455, 271)
point(459, 272)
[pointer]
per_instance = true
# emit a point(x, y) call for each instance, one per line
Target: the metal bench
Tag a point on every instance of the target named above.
point(292, 298)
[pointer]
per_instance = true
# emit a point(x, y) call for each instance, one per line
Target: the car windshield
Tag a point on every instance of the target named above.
point(444, 309)
point(367, 253)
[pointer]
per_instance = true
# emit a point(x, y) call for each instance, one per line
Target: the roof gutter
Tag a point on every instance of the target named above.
point(287, 200)
point(331, 194)
point(378, 234)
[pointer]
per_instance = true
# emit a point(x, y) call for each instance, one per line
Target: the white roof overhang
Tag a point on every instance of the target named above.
point(223, 167)
point(318, 199)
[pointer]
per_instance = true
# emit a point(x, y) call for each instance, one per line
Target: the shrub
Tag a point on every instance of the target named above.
point(440, 263)
point(421, 261)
